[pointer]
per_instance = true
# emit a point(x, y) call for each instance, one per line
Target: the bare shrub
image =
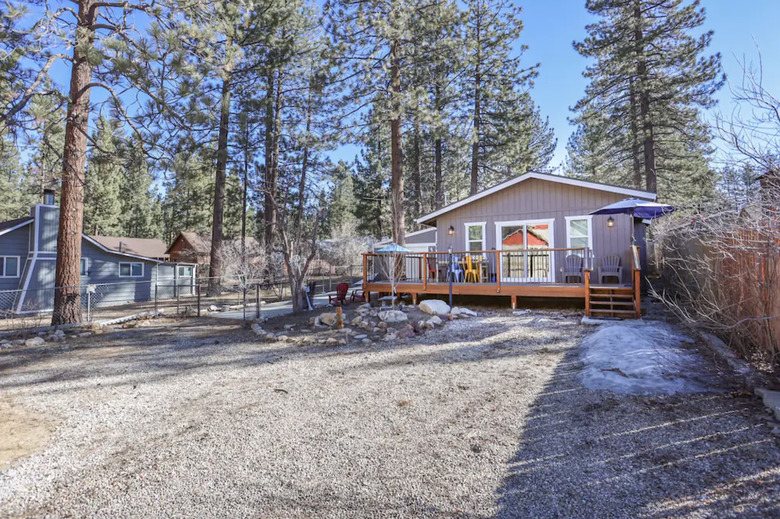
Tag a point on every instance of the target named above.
point(242, 264)
point(721, 273)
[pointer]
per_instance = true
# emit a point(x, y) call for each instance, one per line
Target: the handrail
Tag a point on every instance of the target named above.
point(478, 252)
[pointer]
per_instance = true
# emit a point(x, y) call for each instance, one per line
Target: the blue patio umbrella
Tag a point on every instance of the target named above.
point(636, 209)
point(393, 247)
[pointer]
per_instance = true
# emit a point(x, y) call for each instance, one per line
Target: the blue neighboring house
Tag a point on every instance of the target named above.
point(123, 269)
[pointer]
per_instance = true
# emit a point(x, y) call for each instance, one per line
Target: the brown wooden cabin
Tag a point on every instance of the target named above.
point(524, 238)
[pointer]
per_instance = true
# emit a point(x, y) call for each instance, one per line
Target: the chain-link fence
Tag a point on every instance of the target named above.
point(20, 309)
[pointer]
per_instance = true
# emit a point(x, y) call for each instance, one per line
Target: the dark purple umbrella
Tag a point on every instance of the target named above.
point(636, 209)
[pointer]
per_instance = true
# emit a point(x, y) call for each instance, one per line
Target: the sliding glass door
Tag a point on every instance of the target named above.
point(523, 255)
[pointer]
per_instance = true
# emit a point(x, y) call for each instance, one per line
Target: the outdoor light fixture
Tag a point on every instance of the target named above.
point(610, 222)
point(452, 231)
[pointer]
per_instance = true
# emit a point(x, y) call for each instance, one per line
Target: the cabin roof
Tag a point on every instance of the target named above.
point(147, 247)
point(430, 217)
point(10, 225)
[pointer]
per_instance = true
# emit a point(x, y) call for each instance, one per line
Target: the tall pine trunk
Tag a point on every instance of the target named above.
point(416, 174)
point(636, 161)
point(215, 267)
point(67, 300)
point(648, 138)
point(438, 184)
point(272, 115)
point(477, 113)
point(396, 149)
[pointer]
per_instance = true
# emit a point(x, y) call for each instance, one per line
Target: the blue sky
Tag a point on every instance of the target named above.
point(552, 25)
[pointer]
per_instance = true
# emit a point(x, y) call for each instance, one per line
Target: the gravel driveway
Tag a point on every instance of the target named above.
point(484, 418)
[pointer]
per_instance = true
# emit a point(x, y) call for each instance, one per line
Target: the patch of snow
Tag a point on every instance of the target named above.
point(639, 358)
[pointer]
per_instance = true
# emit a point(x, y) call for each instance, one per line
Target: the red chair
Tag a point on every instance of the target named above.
point(433, 272)
point(358, 295)
point(341, 295)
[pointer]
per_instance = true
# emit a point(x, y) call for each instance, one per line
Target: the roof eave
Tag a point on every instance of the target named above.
point(431, 217)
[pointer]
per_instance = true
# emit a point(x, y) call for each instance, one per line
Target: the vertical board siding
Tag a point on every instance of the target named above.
point(537, 199)
point(14, 243)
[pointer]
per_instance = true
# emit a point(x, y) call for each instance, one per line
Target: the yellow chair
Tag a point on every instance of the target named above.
point(473, 272)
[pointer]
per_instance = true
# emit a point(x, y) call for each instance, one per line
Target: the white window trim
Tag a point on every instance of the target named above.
point(86, 266)
point(466, 234)
point(548, 221)
point(18, 267)
point(131, 263)
point(587, 217)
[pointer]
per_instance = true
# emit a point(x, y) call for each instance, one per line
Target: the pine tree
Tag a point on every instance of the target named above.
point(371, 187)
point(15, 200)
point(508, 135)
point(639, 119)
point(373, 37)
point(137, 199)
point(102, 206)
point(341, 204)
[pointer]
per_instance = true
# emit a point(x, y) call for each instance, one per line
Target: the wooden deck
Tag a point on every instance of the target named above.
point(605, 300)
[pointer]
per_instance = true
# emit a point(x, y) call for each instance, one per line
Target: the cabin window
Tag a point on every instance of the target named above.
point(83, 266)
point(9, 266)
point(579, 232)
point(475, 236)
point(135, 270)
point(185, 271)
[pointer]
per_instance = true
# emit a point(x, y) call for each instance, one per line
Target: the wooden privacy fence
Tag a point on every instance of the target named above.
point(730, 284)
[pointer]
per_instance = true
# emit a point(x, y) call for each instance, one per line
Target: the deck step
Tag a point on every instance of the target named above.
point(611, 311)
point(612, 301)
point(629, 304)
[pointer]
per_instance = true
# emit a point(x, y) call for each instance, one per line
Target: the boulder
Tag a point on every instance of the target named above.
point(34, 341)
point(360, 337)
point(434, 307)
point(270, 337)
point(457, 311)
point(435, 321)
point(332, 341)
point(393, 316)
point(406, 332)
point(258, 329)
point(84, 334)
point(54, 338)
point(357, 320)
point(328, 318)
point(366, 341)
point(391, 336)
point(365, 308)
point(213, 308)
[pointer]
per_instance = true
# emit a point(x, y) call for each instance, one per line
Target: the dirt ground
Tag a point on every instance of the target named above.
point(484, 417)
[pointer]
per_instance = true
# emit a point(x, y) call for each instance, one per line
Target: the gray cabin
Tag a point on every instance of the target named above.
point(113, 270)
point(530, 236)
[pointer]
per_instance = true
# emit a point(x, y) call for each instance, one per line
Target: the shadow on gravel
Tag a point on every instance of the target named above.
point(597, 454)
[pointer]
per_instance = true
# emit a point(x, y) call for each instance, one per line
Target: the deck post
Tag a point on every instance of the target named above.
point(498, 272)
point(514, 302)
point(414, 298)
point(587, 292)
point(425, 276)
point(637, 295)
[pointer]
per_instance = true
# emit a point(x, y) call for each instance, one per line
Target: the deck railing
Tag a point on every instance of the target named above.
point(480, 267)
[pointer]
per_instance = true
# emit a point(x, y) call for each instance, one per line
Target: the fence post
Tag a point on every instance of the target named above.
point(244, 301)
point(257, 300)
point(175, 289)
point(197, 287)
point(89, 306)
point(155, 295)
